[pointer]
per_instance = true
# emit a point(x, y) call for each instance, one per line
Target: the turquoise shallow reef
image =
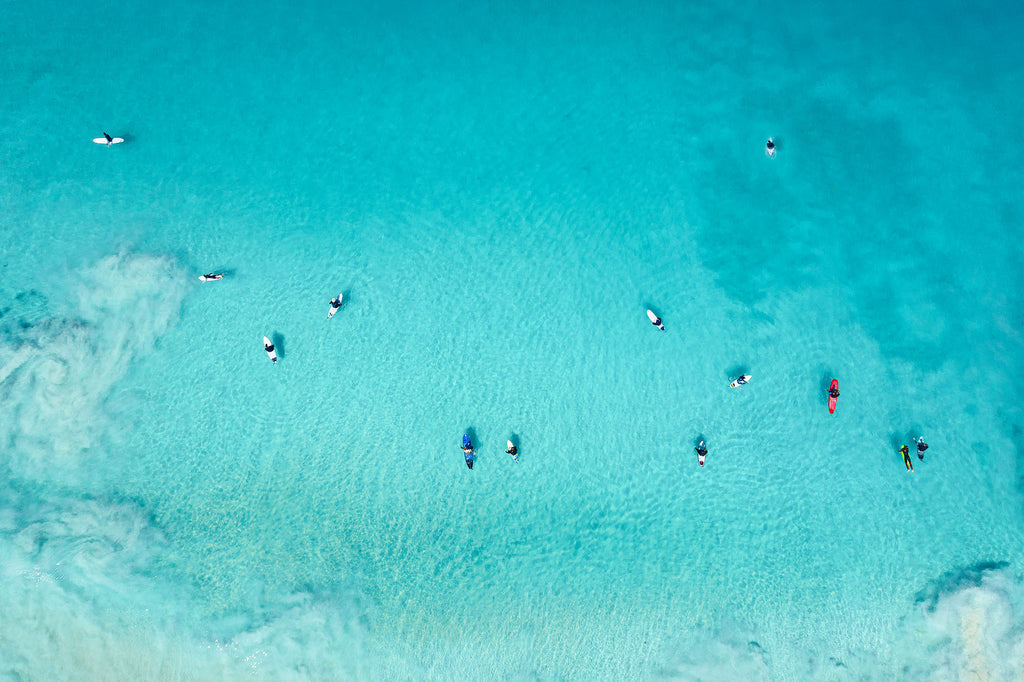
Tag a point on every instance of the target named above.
point(501, 190)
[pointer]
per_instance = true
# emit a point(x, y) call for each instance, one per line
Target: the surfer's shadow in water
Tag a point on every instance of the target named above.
point(278, 340)
point(824, 385)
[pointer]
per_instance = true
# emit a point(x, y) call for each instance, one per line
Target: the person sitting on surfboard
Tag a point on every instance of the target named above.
point(335, 303)
point(108, 138)
point(269, 347)
point(769, 147)
point(833, 392)
point(702, 452)
point(921, 447)
point(905, 451)
point(742, 380)
point(513, 450)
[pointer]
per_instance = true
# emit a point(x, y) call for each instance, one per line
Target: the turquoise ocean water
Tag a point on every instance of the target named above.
point(500, 190)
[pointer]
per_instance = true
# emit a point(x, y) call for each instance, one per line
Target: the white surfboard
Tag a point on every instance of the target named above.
point(103, 140)
point(509, 446)
point(742, 381)
point(272, 353)
point(655, 320)
point(330, 313)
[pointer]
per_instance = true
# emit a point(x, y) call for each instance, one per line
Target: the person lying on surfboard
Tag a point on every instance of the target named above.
point(213, 275)
point(905, 451)
point(921, 447)
point(769, 147)
point(833, 392)
point(702, 452)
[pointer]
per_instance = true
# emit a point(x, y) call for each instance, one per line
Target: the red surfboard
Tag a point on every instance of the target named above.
point(831, 400)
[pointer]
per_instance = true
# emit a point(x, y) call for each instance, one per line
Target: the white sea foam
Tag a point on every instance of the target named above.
point(57, 374)
point(971, 627)
point(80, 601)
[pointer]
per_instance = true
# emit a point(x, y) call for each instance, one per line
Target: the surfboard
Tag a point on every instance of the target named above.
point(272, 353)
point(831, 400)
point(655, 320)
point(330, 313)
point(103, 140)
point(742, 381)
point(509, 446)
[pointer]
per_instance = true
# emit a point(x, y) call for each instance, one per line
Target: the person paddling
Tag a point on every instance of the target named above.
point(702, 452)
point(655, 320)
point(921, 447)
point(769, 148)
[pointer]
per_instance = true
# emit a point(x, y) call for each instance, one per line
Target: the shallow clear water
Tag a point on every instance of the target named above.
point(500, 191)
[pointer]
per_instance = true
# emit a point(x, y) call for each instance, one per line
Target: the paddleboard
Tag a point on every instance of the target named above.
point(330, 313)
point(212, 277)
point(742, 381)
point(655, 320)
point(508, 447)
point(103, 140)
point(831, 400)
point(271, 353)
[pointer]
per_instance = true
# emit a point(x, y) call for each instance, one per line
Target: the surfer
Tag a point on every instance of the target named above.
point(212, 276)
point(833, 392)
point(335, 303)
point(269, 347)
point(905, 451)
point(921, 447)
point(702, 452)
point(769, 148)
point(744, 378)
point(512, 450)
point(655, 320)
point(467, 450)
point(109, 139)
